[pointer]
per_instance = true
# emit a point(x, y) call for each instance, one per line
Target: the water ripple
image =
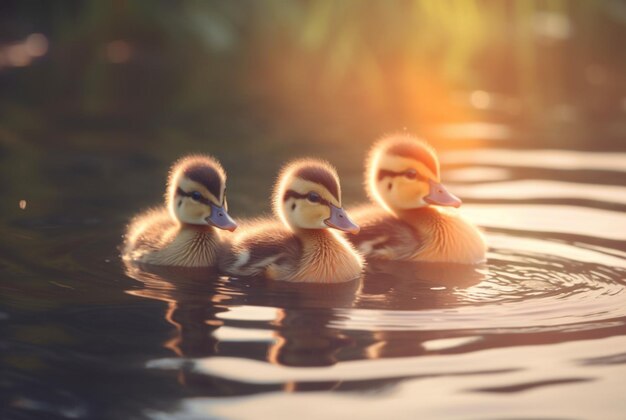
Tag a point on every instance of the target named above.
point(545, 312)
point(547, 159)
point(530, 189)
point(582, 221)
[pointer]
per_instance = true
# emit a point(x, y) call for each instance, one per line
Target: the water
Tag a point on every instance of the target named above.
point(537, 331)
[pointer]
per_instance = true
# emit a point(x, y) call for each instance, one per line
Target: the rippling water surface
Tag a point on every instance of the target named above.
point(537, 331)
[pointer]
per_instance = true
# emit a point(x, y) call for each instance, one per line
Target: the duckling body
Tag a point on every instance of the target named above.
point(427, 234)
point(184, 232)
point(411, 219)
point(299, 248)
point(159, 240)
point(308, 255)
point(384, 236)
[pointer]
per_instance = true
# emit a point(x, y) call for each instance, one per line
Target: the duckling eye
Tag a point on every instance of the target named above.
point(196, 196)
point(314, 197)
point(410, 174)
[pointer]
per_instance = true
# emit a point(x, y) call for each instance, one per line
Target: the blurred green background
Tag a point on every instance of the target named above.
point(390, 63)
point(93, 91)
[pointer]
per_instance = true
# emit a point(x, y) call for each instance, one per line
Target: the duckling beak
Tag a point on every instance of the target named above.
point(220, 218)
point(440, 196)
point(339, 220)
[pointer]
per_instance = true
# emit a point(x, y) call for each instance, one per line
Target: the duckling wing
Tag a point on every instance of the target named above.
point(261, 245)
point(148, 232)
point(382, 235)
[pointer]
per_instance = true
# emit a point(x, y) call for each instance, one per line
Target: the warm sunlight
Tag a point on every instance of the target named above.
point(313, 209)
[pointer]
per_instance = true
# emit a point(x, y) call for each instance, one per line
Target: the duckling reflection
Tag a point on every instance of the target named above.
point(294, 324)
point(316, 338)
point(194, 298)
point(407, 285)
point(193, 302)
point(299, 334)
point(304, 336)
point(403, 178)
point(182, 233)
point(412, 286)
point(307, 199)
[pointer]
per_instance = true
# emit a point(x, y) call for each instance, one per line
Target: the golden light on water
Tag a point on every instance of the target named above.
point(480, 99)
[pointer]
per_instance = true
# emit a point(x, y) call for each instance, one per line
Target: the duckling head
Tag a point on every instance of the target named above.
point(403, 173)
point(307, 195)
point(196, 193)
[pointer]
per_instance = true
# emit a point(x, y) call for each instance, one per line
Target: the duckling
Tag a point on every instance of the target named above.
point(182, 233)
point(299, 247)
point(402, 176)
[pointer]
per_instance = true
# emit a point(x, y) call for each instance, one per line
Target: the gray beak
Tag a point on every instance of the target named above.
point(440, 196)
point(220, 219)
point(339, 220)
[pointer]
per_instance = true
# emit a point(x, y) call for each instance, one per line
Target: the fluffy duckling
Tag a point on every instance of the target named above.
point(299, 248)
point(402, 175)
point(182, 233)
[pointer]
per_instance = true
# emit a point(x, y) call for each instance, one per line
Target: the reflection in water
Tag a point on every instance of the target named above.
point(404, 320)
point(190, 309)
point(547, 159)
point(544, 317)
point(292, 324)
point(540, 324)
point(399, 309)
point(476, 174)
point(542, 189)
point(525, 380)
point(198, 305)
point(597, 223)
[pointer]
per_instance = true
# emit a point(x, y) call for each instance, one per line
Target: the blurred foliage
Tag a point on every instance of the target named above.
point(404, 62)
point(126, 86)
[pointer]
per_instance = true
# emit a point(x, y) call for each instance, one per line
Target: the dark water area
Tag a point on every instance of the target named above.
point(543, 321)
point(529, 122)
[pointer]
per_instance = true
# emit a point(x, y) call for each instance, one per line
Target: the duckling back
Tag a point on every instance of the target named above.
point(383, 235)
point(261, 248)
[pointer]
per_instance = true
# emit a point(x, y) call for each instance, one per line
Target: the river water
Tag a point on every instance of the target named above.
point(538, 331)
